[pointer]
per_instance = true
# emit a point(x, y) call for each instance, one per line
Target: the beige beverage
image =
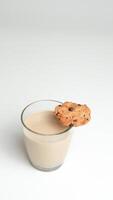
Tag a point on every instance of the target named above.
point(46, 140)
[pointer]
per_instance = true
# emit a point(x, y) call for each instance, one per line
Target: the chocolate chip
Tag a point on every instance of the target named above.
point(71, 124)
point(79, 104)
point(57, 113)
point(75, 120)
point(59, 105)
point(84, 115)
point(71, 109)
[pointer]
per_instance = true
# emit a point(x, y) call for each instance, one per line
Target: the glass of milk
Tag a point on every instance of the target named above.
point(46, 140)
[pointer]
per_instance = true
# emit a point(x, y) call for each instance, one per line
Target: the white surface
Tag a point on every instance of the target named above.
point(62, 51)
point(96, 16)
point(65, 67)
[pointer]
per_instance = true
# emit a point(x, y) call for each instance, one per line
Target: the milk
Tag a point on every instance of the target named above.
point(46, 140)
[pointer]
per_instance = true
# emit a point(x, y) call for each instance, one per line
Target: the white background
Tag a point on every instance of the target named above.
point(61, 50)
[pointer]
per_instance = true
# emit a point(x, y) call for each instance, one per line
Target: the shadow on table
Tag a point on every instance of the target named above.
point(12, 144)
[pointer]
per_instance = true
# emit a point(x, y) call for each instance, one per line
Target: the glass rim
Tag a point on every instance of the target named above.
point(35, 132)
